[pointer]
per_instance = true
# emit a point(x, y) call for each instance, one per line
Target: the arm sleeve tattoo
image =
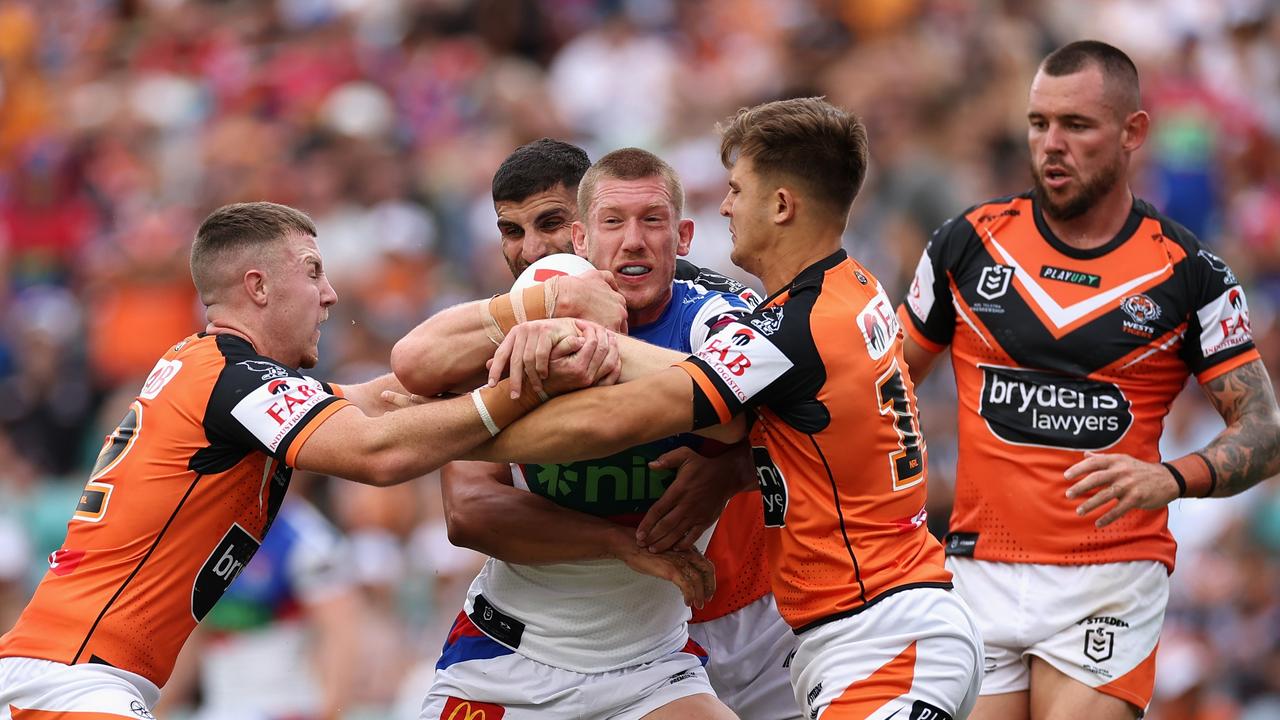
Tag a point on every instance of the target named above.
point(1248, 450)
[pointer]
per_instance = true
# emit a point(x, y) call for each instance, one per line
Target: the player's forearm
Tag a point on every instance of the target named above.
point(1248, 450)
point(640, 359)
point(395, 447)
point(519, 527)
point(596, 422)
point(445, 352)
point(572, 427)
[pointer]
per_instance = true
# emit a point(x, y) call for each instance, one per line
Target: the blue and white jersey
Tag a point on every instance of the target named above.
point(695, 310)
point(597, 616)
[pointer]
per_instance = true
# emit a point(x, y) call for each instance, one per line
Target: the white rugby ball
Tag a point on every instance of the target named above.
point(551, 266)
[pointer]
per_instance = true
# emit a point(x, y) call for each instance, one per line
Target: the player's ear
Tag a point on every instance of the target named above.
point(1135, 130)
point(684, 236)
point(784, 205)
point(579, 232)
point(255, 285)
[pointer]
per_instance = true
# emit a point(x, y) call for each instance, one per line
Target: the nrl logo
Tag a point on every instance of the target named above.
point(1099, 644)
point(994, 282)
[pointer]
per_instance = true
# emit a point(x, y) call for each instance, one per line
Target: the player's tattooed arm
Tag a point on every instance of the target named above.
point(1248, 451)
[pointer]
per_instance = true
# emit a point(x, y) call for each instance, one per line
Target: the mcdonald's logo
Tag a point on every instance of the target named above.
point(459, 709)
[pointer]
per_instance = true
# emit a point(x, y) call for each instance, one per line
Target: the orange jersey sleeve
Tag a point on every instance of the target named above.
point(181, 497)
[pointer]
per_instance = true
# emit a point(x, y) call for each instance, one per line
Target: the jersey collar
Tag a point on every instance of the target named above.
point(1126, 231)
point(810, 276)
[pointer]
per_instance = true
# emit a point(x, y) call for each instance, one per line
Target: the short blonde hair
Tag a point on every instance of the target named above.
point(629, 164)
point(236, 227)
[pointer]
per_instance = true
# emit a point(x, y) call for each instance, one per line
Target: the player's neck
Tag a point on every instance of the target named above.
point(791, 258)
point(215, 329)
point(650, 314)
point(221, 323)
point(1098, 225)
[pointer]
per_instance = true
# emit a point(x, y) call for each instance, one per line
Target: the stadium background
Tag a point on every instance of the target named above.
point(123, 123)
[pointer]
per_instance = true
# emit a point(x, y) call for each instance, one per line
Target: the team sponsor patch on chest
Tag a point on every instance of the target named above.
point(226, 561)
point(1030, 407)
point(1074, 277)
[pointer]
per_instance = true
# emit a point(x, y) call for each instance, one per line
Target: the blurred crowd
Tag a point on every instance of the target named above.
point(124, 122)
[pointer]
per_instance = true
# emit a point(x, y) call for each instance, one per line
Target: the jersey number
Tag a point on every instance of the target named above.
point(907, 462)
point(119, 442)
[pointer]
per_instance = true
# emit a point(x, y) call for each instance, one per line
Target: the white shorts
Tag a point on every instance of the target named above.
point(43, 690)
point(1098, 624)
point(750, 657)
point(917, 650)
point(478, 678)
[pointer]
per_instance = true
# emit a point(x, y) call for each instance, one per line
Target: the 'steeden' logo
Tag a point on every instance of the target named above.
point(459, 709)
point(994, 282)
point(1042, 409)
point(137, 708)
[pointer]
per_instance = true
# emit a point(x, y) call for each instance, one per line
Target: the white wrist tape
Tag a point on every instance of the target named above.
point(485, 417)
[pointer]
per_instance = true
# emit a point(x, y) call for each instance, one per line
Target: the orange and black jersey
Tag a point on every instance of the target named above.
point(835, 437)
point(1057, 351)
point(180, 499)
